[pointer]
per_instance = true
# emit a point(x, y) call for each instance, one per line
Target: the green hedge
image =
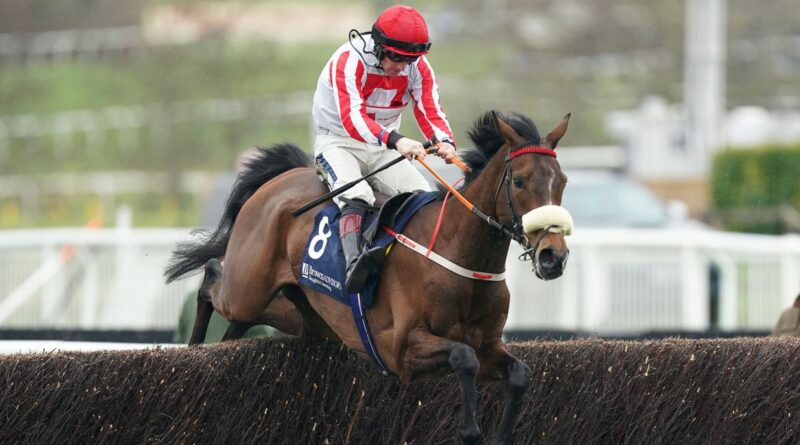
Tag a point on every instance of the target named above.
point(751, 190)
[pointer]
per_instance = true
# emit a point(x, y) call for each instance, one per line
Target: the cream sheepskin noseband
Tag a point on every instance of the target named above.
point(555, 219)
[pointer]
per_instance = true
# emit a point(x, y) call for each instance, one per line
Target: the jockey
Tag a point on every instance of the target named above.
point(360, 96)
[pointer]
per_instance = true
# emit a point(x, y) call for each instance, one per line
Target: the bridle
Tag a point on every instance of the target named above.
point(515, 231)
point(561, 221)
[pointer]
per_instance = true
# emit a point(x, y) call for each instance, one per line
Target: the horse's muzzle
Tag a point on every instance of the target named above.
point(550, 260)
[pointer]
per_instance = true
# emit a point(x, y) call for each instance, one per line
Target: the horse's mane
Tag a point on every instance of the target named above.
point(488, 141)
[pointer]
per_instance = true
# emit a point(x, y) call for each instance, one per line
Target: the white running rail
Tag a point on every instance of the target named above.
point(90, 278)
point(617, 281)
point(629, 281)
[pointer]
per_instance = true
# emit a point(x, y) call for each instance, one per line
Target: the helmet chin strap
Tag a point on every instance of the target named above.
point(376, 51)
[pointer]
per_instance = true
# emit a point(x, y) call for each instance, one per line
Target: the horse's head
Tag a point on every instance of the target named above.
point(528, 195)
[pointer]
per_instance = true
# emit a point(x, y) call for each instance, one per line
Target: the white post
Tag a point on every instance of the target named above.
point(570, 296)
point(790, 270)
point(120, 305)
point(595, 296)
point(704, 76)
point(695, 302)
point(728, 294)
point(52, 290)
point(89, 306)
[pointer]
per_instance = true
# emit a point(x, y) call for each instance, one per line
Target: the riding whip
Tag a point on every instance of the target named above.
point(427, 145)
point(348, 186)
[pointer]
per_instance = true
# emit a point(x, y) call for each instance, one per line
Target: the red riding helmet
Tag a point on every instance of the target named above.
point(402, 30)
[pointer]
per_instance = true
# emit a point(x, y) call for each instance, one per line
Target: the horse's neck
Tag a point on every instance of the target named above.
point(478, 245)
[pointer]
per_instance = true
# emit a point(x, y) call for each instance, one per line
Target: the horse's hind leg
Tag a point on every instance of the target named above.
point(289, 312)
point(204, 307)
point(236, 330)
point(238, 327)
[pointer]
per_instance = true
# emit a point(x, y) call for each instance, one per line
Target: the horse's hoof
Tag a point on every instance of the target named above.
point(470, 435)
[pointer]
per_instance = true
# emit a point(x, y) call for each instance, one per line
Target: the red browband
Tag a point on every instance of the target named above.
point(532, 149)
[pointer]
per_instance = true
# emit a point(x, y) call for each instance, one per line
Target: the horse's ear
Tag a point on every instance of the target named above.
point(552, 138)
point(506, 132)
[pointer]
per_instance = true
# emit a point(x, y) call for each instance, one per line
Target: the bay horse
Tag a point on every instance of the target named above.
point(426, 320)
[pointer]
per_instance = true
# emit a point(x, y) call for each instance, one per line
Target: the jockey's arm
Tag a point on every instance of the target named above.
point(428, 110)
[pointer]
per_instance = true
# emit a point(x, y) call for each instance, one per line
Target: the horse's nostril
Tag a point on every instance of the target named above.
point(548, 258)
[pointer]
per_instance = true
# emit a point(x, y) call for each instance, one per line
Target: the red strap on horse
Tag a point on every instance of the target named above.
point(532, 149)
point(439, 221)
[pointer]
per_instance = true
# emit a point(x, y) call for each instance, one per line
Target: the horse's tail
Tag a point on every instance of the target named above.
point(267, 164)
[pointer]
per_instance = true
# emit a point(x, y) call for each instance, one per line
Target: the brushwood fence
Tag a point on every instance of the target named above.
point(290, 391)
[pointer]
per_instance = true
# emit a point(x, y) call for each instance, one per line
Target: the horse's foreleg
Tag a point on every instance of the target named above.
point(205, 309)
point(427, 353)
point(498, 362)
point(236, 330)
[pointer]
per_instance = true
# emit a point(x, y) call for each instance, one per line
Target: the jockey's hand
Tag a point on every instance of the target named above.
point(410, 148)
point(446, 151)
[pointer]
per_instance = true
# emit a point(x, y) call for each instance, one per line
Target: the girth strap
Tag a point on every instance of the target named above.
point(363, 331)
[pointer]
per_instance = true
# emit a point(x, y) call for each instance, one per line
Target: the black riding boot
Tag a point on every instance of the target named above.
point(361, 262)
point(350, 233)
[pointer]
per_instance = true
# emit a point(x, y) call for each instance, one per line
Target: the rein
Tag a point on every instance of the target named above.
point(515, 231)
point(488, 219)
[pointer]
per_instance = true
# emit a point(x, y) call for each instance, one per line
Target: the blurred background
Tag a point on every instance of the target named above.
point(121, 123)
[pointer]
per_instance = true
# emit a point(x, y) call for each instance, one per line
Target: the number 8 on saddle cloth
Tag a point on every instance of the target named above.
point(323, 266)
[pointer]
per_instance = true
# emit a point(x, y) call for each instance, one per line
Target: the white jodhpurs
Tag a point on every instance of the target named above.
point(341, 160)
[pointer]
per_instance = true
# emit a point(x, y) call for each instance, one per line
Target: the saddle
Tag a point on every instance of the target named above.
point(323, 267)
point(372, 256)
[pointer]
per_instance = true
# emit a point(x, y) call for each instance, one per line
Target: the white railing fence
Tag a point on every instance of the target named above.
point(90, 279)
point(617, 281)
point(628, 281)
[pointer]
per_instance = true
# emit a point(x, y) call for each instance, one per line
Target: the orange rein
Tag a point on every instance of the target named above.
point(488, 219)
point(449, 187)
point(460, 164)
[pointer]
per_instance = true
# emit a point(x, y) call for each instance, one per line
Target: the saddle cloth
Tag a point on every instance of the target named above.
point(323, 266)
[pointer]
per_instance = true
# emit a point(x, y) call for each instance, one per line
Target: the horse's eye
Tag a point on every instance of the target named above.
point(518, 182)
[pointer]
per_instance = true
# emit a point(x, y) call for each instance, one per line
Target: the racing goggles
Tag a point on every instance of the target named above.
point(394, 57)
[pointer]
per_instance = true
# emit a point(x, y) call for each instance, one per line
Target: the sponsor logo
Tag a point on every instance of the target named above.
point(316, 277)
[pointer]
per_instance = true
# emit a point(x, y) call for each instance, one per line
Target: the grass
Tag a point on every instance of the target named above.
point(211, 71)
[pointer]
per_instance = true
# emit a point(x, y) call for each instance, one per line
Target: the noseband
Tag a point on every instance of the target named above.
point(515, 231)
